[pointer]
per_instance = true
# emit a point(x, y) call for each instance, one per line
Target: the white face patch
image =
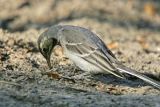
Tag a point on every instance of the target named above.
point(42, 43)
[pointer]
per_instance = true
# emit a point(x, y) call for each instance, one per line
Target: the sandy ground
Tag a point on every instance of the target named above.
point(131, 29)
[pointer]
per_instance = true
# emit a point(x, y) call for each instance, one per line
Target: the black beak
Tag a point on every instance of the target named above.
point(49, 62)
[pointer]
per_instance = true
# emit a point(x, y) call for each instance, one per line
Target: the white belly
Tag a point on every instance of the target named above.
point(83, 64)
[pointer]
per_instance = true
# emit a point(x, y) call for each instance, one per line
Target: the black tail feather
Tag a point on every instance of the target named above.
point(124, 69)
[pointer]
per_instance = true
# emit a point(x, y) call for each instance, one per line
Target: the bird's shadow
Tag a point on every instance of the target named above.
point(111, 79)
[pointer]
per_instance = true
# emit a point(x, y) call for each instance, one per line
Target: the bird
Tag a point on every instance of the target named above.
point(87, 51)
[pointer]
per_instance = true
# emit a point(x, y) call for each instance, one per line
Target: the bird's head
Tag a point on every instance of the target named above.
point(46, 42)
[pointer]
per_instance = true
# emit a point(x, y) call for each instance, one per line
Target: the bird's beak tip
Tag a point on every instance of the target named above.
point(49, 64)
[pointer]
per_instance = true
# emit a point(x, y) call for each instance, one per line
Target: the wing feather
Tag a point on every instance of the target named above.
point(94, 57)
point(88, 51)
point(99, 59)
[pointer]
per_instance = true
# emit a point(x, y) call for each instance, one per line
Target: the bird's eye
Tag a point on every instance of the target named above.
point(44, 49)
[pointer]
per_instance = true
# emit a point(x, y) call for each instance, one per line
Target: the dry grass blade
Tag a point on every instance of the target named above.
point(10, 83)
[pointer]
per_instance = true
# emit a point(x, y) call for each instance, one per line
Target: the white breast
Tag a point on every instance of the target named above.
point(81, 63)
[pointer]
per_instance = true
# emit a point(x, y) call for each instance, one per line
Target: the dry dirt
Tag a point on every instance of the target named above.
point(130, 28)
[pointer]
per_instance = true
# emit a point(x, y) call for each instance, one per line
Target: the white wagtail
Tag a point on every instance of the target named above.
point(86, 50)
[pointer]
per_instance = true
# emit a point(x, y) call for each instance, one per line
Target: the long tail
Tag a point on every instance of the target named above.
point(129, 71)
